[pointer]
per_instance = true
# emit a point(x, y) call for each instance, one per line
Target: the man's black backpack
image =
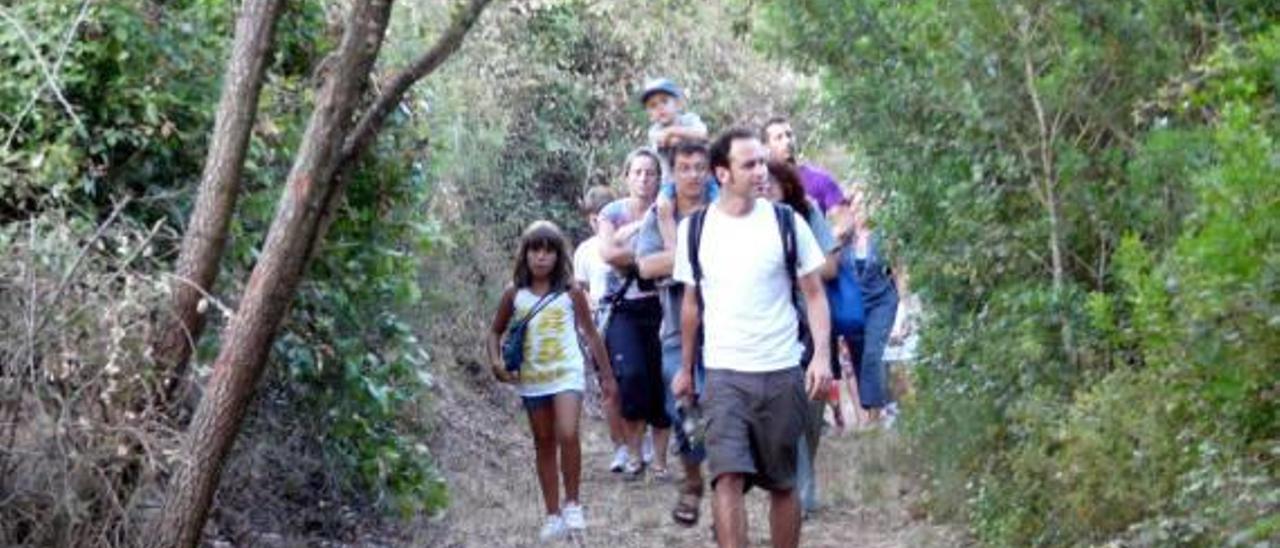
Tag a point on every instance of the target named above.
point(787, 229)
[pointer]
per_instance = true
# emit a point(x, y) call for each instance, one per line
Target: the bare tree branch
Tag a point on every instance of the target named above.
point(50, 74)
point(371, 122)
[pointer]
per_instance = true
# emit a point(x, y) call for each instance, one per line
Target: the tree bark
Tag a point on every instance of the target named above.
point(206, 235)
point(332, 143)
point(247, 338)
point(371, 122)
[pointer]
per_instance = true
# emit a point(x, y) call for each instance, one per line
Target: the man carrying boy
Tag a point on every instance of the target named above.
point(672, 125)
point(664, 102)
point(755, 396)
point(656, 258)
point(818, 184)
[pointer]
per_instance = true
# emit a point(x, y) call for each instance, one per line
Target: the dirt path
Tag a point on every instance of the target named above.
point(495, 499)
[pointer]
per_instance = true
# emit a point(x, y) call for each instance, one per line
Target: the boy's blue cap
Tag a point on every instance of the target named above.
point(659, 85)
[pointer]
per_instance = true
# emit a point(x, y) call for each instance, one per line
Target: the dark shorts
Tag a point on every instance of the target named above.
point(534, 403)
point(754, 424)
point(636, 354)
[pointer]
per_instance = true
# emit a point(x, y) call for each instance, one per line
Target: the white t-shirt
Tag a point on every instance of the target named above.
point(589, 268)
point(553, 360)
point(750, 322)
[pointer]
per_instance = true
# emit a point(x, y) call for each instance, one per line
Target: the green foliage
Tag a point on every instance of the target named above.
point(1137, 399)
point(361, 364)
point(142, 84)
point(143, 81)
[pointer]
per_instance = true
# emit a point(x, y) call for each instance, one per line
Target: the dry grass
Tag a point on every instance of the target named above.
point(486, 455)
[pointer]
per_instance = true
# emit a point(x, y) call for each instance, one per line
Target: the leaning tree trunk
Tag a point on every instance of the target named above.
point(206, 235)
point(179, 326)
point(333, 143)
point(247, 338)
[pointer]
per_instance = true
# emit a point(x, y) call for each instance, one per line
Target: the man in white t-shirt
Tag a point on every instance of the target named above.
point(754, 399)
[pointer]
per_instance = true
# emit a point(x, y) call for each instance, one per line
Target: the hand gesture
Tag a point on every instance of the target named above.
point(608, 388)
point(666, 208)
point(625, 232)
point(682, 384)
point(816, 379)
point(501, 373)
point(666, 138)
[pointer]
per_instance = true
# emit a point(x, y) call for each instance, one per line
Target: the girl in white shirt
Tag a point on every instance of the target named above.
point(550, 379)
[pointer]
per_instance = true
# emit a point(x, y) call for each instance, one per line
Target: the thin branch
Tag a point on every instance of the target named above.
point(371, 122)
point(36, 322)
point(222, 307)
point(31, 300)
point(50, 74)
point(84, 251)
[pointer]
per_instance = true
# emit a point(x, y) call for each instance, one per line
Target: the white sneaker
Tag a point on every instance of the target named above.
point(573, 517)
point(619, 459)
point(646, 448)
point(890, 415)
point(553, 528)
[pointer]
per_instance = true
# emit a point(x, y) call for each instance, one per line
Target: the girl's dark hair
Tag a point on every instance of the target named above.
point(792, 191)
point(544, 235)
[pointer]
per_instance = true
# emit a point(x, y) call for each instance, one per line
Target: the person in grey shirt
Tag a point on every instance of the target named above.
point(655, 258)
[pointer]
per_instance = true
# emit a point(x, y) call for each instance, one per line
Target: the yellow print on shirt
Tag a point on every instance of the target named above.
point(550, 328)
point(534, 377)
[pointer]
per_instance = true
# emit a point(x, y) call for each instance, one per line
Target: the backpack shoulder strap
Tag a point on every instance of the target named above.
point(696, 222)
point(787, 228)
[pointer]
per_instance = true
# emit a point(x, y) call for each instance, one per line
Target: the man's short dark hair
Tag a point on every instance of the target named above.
point(719, 156)
point(689, 148)
point(776, 120)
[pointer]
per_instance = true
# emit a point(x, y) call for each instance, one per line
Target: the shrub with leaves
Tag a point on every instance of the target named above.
point(1085, 197)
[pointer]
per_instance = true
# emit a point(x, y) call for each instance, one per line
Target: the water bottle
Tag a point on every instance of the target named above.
point(694, 425)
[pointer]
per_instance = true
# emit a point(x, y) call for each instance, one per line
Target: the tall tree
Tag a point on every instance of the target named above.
point(332, 143)
point(206, 235)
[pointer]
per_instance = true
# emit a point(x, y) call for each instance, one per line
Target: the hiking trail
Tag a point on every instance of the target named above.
point(487, 458)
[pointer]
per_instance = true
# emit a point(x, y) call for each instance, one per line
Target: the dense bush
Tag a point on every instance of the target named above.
point(141, 81)
point(1085, 194)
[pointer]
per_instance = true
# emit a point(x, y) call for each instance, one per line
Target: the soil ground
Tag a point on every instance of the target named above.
point(487, 456)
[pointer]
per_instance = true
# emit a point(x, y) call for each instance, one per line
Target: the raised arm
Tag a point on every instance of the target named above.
point(657, 265)
point(614, 243)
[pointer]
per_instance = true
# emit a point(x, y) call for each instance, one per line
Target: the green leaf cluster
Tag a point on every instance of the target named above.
point(1132, 395)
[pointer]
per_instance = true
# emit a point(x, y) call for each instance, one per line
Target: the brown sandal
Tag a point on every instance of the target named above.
point(687, 507)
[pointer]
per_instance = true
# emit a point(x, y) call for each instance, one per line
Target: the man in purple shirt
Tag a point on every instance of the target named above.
point(818, 184)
